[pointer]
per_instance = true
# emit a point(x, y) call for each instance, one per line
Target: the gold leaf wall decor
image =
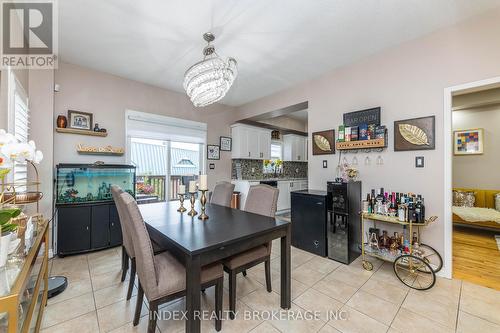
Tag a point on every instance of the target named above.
point(322, 142)
point(413, 134)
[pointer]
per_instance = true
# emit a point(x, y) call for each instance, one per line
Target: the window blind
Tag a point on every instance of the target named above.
point(21, 132)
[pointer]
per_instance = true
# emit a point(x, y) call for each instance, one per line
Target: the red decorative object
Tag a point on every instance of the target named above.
point(62, 121)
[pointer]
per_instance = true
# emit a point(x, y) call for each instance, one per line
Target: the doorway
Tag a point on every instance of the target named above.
point(470, 245)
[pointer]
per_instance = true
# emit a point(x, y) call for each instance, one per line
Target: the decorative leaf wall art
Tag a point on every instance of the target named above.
point(414, 134)
point(323, 143)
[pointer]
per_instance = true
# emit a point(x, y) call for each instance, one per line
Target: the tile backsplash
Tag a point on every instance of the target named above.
point(242, 169)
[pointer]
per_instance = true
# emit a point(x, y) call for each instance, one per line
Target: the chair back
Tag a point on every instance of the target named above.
point(127, 239)
point(222, 194)
point(144, 255)
point(262, 199)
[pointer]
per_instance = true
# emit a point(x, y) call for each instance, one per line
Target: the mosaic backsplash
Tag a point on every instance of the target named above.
point(242, 169)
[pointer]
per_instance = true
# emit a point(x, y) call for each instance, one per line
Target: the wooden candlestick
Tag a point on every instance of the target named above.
point(181, 209)
point(192, 212)
point(203, 201)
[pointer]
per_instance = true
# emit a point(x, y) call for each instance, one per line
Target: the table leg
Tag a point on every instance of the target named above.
point(285, 270)
point(193, 289)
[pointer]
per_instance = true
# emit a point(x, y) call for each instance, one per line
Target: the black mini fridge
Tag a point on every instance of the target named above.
point(344, 221)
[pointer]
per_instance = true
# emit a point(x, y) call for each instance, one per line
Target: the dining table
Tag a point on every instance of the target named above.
point(226, 232)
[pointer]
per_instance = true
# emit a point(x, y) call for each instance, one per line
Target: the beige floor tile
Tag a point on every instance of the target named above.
point(68, 309)
point(244, 284)
point(444, 291)
point(142, 327)
point(322, 265)
point(105, 268)
point(297, 287)
point(73, 267)
point(426, 306)
point(261, 300)
point(301, 321)
point(112, 294)
point(313, 300)
point(105, 280)
point(244, 321)
point(118, 314)
point(265, 327)
point(171, 319)
point(377, 263)
point(335, 289)
point(386, 274)
point(297, 258)
point(481, 302)
point(307, 275)
point(357, 322)
point(258, 274)
point(386, 291)
point(328, 329)
point(412, 322)
point(471, 324)
point(86, 323)
point(374, 307)
point(352, 275)
point(75, 288)
point(104, 253)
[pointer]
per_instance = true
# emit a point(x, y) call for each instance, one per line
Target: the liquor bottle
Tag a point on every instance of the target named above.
point(341, 137)
point(414, 238)
point(411, 210)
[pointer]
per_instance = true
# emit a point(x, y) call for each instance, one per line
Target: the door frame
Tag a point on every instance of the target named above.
point(493, 82)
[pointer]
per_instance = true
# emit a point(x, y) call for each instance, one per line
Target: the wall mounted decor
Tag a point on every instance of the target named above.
point(213, 152)
point(324, 142)
point(80, 120)
point(357, 118)
point(225, 143)
point(62, 121)
point(415, 134)
point(92, 150)
point(468, 142)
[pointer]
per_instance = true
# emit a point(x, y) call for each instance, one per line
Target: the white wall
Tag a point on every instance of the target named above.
point(407, 81)
point(479, 171)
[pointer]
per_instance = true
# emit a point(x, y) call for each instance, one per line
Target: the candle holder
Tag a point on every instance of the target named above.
point(192, 212)
point(181, 209)
point(203, 201)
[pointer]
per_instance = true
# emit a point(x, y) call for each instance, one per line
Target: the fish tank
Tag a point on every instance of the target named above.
point(90, 183)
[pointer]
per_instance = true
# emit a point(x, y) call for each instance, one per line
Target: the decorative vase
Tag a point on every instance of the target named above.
point(62, 121)
point(4, 248)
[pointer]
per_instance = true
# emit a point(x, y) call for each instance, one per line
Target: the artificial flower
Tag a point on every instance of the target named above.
point(6, 138)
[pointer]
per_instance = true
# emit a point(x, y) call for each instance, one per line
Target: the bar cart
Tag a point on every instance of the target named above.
point(415, 267)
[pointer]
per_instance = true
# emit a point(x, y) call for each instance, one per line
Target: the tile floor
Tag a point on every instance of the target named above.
point(373, 301)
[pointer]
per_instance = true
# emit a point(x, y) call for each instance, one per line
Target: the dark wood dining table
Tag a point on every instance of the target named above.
point(197, 243)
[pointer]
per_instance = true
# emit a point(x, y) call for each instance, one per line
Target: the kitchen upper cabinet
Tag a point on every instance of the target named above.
point(251, 142)
point(294, 148)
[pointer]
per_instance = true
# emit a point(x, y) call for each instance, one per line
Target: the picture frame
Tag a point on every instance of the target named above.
point(468, 142)
point(225, 143)
point(213, 152)
point(323, 142)
point(415, 134)
point(80, 120)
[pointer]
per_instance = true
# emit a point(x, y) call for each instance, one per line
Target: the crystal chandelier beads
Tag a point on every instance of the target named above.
point(209, 80)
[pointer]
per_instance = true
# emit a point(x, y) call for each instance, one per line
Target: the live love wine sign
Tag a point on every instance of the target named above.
point(368, 116)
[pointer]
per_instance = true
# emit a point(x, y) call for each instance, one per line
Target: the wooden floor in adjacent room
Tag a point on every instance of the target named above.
point(476, 257)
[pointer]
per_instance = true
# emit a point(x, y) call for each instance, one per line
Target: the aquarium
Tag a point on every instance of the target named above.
point(82, 183)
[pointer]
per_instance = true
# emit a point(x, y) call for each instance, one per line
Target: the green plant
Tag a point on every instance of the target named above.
point(5, 215)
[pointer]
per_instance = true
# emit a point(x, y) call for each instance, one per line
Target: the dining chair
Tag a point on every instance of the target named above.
point(162, 278)
point(261, 199)
point(222, 194)
point(128, 253)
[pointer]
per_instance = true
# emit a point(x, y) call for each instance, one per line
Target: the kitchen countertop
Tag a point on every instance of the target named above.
point(312, 192)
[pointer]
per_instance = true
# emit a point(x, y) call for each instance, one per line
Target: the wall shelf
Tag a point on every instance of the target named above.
point(80, 132)
point(361, 144)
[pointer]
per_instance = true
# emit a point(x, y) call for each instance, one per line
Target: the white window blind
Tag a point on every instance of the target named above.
point(276, 151)
point(21, 132)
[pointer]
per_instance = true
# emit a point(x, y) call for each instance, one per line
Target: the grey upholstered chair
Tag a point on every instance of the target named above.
point(222, 194)
point(161, 277)
point(127, 246)
point(262, 200)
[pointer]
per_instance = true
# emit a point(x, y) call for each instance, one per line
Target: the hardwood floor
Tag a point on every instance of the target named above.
point(476, 257)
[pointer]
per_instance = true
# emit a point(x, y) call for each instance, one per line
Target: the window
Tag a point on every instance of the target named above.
point(276, 154)
point(276, 150)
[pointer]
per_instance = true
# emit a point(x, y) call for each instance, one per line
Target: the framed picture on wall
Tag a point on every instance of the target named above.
point(80, 120)
point(415, 134)
point(213, 152)
point(323, 142)
point(225, 143)
point(468, 142)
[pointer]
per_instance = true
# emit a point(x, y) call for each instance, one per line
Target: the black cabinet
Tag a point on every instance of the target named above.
point(83, 228)
point(309, 220)
point(74, 231)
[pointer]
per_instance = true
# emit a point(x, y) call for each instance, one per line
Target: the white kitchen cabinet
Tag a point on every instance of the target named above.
point(250, 142)
point(294, 148)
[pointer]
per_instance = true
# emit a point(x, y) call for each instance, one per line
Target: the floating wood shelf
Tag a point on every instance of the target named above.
point(362, 144)
point(105, 153)
point(80, 132)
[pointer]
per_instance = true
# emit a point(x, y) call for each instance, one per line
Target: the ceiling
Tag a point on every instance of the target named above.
point(299, 115)
point(277, 43)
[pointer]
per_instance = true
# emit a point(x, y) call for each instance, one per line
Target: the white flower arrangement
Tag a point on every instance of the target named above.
point(11, 150)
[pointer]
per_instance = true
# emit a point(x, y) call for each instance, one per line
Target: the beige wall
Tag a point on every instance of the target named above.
point(479, 171)
point(108, 97)
point(406, 81)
